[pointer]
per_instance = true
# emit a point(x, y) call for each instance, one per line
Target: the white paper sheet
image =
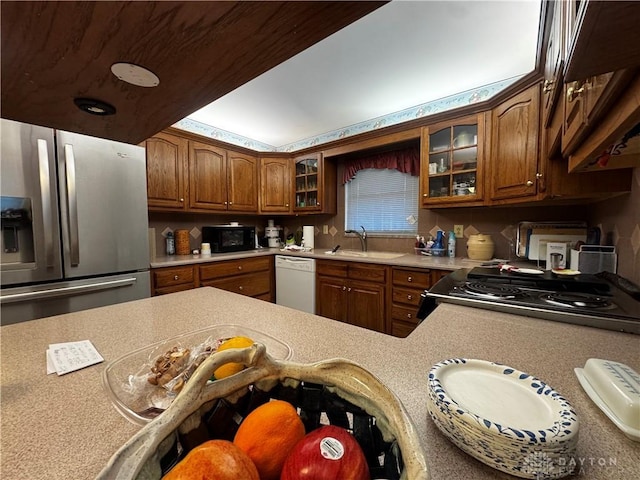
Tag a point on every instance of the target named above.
point(68, 357)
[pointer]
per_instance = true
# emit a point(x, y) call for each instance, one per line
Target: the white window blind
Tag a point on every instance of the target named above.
point(382, 201)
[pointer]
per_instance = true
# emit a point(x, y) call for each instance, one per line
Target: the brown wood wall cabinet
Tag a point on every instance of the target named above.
point(314, 184)
point(451, 162)
point(276, 185)
point(184, 173)
point(352, 292)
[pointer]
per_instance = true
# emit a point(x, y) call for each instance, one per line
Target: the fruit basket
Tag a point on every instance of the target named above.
point(335, 392)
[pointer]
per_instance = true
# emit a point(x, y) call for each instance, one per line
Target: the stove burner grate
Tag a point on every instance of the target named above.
point(492, 290)
point(578, 300)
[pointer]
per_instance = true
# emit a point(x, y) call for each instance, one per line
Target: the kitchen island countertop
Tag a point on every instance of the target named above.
point(62, 427)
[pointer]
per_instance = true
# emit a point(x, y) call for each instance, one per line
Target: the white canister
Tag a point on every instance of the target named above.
point(205, 249)
point(480, 247)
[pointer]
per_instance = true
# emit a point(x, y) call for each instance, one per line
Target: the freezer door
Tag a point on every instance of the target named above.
point(30, 237)
point(38, 301)
point(103, 205)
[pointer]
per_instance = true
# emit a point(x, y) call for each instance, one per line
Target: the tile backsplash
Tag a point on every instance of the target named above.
point(618, 218)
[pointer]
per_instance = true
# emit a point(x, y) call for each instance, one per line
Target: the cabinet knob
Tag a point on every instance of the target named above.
point(240, 287)
point(349, 289)
point(176, 277)
point(239, 267)
point(548, 86)
point(409, 279)
point(286, 205)
point(182, 199)
point(225, 203)
point(317, 204)
point(409, 315)
point(573, 93)
point(409, 297)
point(538, 175)
point(344, 288)
point(230, 203)
point(529, 183)
point(425, 195)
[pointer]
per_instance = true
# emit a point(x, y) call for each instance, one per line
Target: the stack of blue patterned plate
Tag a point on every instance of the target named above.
point(505, 418)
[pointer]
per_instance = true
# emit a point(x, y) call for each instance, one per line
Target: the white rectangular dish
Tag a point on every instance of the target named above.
point(615, 388)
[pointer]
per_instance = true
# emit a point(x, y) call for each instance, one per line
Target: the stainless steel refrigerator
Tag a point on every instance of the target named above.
point(74, 222)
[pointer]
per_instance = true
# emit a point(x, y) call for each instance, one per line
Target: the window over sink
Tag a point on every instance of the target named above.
point(384, 201)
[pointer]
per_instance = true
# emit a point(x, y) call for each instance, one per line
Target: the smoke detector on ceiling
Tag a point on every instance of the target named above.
point(135, 74)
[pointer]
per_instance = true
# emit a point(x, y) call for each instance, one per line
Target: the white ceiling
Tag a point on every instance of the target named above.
point(404, 54)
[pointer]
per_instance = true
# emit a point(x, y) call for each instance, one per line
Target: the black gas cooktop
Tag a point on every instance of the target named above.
point(582, 299)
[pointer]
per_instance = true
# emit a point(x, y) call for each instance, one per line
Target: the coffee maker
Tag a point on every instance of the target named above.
point(273, 235)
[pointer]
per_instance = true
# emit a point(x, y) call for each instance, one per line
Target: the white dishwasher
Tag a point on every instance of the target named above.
point(296, 283)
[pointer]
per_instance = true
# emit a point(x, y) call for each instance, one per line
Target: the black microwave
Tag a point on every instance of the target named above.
point(229, 238)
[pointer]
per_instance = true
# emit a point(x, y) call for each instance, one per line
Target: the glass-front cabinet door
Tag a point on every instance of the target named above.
point(451, 161)
point(308, 182)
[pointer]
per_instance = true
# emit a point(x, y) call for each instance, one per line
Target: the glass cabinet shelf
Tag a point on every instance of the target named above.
point(307, 177)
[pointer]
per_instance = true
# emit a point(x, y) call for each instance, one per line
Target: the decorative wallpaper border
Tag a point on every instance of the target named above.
point(430, 108)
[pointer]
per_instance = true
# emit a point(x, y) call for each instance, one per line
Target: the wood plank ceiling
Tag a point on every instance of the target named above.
point(53, 52)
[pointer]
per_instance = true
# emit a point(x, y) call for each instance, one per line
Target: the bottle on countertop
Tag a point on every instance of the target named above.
point(171, 244)
point(451, 244)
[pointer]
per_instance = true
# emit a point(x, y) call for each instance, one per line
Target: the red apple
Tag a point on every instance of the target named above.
point(327, 453)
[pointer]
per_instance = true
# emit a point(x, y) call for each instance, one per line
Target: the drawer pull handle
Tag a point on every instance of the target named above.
point(344, 288)
point(409, 279)
point(349, 289)
point(409, 315)
point(409, 297)
point(175, 277)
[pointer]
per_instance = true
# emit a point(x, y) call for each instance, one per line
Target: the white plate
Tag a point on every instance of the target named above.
point(566, 271)
point(632, 433)
point(503, 400)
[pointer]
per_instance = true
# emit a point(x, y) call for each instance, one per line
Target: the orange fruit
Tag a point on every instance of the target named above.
point(229, 369)
point(214, 460)
point(268, 434)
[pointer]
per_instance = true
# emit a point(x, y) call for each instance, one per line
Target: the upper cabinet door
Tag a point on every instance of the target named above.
point(242, 182)
point(207, 177)
point(275, 185)
point(166, 165)
point(513, 168)
point(451, 162)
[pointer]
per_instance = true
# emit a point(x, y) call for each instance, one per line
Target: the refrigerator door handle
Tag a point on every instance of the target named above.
point(72, 203)
point(66, 291)
point(45, 194)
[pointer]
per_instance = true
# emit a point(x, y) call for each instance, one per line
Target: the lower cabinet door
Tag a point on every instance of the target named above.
point(366, 305)
point(331, 301)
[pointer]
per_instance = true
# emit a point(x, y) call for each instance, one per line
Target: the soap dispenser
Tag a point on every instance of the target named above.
point(452, 244)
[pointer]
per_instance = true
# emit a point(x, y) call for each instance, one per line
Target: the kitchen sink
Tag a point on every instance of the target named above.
point(358, 254)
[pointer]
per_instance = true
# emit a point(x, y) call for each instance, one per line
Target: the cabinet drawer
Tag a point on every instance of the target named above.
point(404, 314)
point(251, 285)
point(234, 267)
point(172, 276)
point(406, 296)
point(369, 273)
point(402, 329)
point(412, 278)
point(332, 269)
point(173, 289)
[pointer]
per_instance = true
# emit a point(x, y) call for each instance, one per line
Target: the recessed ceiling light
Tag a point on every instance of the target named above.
point(93, 106)
point(135, 74)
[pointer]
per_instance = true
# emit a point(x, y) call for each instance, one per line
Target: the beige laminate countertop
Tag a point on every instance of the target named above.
point(404, 260)
point(66, 428)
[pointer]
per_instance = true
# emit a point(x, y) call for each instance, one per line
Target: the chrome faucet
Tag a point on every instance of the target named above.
point(362, 236)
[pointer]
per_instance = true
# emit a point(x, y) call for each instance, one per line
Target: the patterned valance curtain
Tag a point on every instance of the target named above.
point(406, 160)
